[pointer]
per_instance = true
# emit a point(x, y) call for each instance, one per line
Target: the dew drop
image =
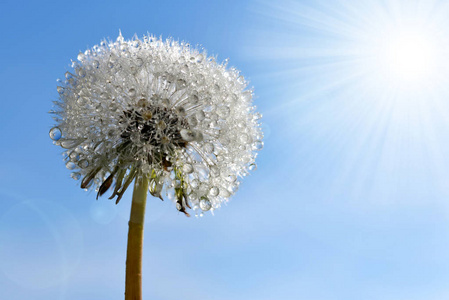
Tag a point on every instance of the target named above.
point(246, 96)
point(187, 168)
point(200, 115)
point(81, 56)
point(187, 135)
point(178, 206)
point(258, 145)
point(96, 64)
point(195, 183)
point(74, 156)
point(55, 133)
point(231, 178)
point(252, 167)
point(76, 175)
point(223, 111)
point(81, 72)
point(139, 62)
point(225, 193)
point(70, 165)
point(69, 143)
point(180, 83)
point(192, 121)
point(194, 99)
point(214, 171)
point(208, 148)
point(214, 191)
point(199, 58)
point(185, 69)
point(142, 102)
point(199, 136)
point(244, 138)
point(181, 111)
point(205, 204)
point(60, 90)
point(84, 163)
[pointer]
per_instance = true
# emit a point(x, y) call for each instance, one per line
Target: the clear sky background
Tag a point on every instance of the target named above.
point(350, 199)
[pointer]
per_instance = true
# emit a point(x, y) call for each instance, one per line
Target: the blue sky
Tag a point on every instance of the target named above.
point(350, 199)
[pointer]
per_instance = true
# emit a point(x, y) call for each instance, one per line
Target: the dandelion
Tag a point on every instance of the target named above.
point(162, 114)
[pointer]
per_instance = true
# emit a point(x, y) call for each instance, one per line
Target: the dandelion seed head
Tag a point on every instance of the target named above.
point(159, 108)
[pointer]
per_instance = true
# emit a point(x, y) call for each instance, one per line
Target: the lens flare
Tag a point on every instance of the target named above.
point(409, 56)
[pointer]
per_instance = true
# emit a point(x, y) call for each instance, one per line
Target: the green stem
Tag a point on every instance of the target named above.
point(133, 283)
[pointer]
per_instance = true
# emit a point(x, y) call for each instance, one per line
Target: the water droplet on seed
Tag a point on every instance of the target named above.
point(231, 178)
point(139, 62)
point(195, 183)
point(76, 175)
point(214, 191)
point(84, 163)
point(142, 102)
point(194, 99)
point(252, 167)
point(187, 168)
point(181, 111)
point(199, 136)
point(187, 135)
point(223, 111)
point(244, 138)
point(69, 143)
point(81, 56)
point(208, 148)
point(205, 204)
point(180, 83)
point(81, 72)
point(247, 96)
point(258, 145)
point(70, 165)
point(55, 133)
point(200, 115)
point(74, 156)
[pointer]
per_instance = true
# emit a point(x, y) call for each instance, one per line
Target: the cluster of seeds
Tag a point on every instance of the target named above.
point(161, 109)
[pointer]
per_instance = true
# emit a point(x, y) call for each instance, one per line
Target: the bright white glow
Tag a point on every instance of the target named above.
point(409, 56)
point(369, 80)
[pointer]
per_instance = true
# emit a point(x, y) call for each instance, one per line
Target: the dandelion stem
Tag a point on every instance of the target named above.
point(133, 283)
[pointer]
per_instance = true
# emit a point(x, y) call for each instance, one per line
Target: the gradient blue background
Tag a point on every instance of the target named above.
point(350, 199)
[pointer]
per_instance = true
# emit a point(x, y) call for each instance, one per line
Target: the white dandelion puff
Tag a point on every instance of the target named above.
point(157, 108)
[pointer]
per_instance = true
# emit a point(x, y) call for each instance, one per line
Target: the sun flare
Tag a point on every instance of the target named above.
point(409, 56)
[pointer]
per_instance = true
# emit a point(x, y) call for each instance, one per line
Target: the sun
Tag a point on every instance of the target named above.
point(408, 56)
